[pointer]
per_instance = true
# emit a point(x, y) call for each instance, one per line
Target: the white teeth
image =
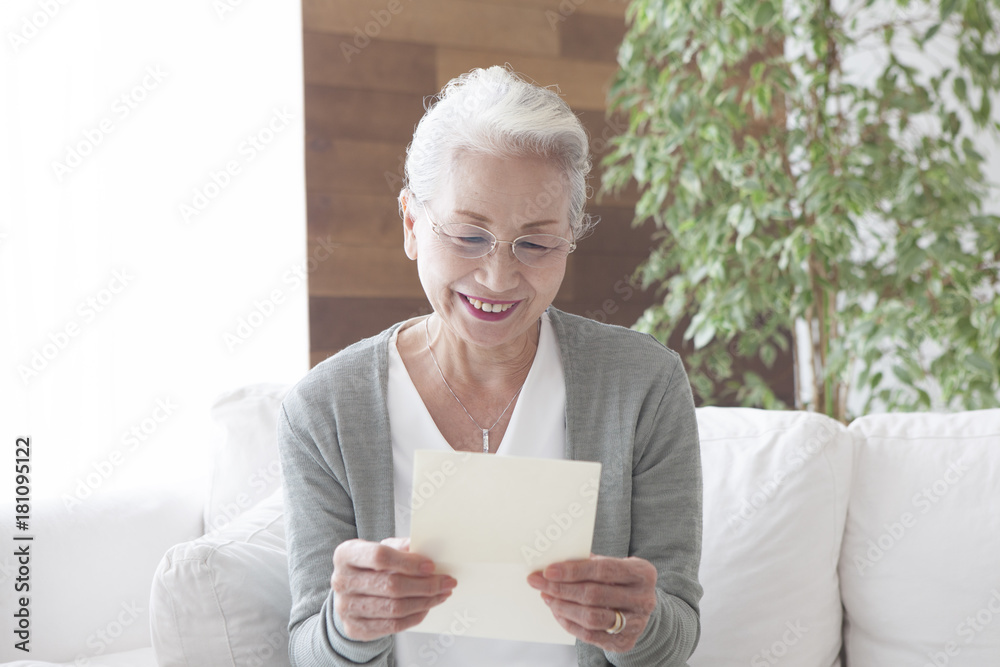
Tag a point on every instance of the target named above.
point(489, 307)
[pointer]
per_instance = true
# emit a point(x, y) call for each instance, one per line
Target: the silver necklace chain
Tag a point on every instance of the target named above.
point(486, 431)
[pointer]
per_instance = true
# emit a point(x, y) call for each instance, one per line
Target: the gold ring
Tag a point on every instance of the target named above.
point(619, 624)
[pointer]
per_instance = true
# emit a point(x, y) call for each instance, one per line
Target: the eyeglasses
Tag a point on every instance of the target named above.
point(539, 251)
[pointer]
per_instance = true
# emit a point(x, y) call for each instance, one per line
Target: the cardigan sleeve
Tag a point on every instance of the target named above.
point(667, 522)
point(319, 515)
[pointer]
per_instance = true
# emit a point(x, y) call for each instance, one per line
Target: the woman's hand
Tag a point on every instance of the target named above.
point(584, 595)
point(381, 588)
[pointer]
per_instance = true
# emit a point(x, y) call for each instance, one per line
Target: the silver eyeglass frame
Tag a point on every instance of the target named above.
point(436, 228)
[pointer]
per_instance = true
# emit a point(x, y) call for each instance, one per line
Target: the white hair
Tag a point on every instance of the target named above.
point(496, 112)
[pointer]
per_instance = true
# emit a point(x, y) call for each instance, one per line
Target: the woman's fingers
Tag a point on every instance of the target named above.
point(373, 556)
point(584, 596)
point(390, 584)
point(382, 589)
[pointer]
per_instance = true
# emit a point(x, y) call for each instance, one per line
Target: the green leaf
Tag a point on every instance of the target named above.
point(765, 12)
point(979, 362)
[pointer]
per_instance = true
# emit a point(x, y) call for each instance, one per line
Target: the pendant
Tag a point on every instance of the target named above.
point(486, 441)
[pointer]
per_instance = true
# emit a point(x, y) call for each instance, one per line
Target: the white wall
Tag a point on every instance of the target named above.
point(152, 197)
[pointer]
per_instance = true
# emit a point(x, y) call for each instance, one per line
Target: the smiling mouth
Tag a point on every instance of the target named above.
point(487, 307)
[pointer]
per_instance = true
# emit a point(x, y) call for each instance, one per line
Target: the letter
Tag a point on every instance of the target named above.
point(50, 7)
point(103, 468)
point(277, 296)
point(232, 341)
point(563, 520)
point(222, 8)
point(131, 443)
point(60, 339)
point(553, 18)
point(16, 41)
point(940, 483)
point(896, 530)
point(541, 542)
point(756, 661)
point(394, 6)
point(60, 170)
point(28, 29)
point(796, 628)
point(243, 329)
point(187, 212)
point(959, 468)
point(221, 178)
point(951, 648)
point(119, 108)
point(249, 151)
point(923, 506)
point(947, 477)
point(874, 553)
point(167, 405)
point(264, 307)
point(553, 532)
point(610, 307)
point(348, 50)
point(427, 656)
point(70, 502)
point(327, 245)
point(382, 16)
point(962, 631)
point(575, 510)
point(529, 554)
point(939, 658)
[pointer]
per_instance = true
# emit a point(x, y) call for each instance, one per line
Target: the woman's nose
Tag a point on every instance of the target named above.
point(501, 269)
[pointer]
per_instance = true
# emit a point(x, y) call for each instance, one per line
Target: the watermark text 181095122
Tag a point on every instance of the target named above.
point(22, 543)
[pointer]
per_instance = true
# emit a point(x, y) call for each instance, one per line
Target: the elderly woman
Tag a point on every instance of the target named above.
point(492, 205)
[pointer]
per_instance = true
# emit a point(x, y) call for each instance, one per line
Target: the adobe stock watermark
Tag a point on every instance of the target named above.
point(266, 307)
point(219, 180)
point(363, 35)
point(432, 650)
point(922, 501)
point(768, 489)
point(560, 523)
point(122, 107)
point(967, 629)
point(130, 440)
point(105, 636)
point(275, 643)
point(779, 648)
point(88, 311)
point(223, 8)
point(261, 481)
point(33, 24)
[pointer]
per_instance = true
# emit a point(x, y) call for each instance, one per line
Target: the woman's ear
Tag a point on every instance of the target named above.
point(406, 210)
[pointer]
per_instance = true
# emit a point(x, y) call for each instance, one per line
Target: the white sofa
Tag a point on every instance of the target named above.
point(873, 545)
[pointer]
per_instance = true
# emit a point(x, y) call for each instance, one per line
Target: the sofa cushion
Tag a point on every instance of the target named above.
point(775, 500)
point(920, 569)
point(245, 467)
point(224, 598)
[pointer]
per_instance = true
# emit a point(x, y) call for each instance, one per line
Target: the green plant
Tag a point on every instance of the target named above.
point(811, 164)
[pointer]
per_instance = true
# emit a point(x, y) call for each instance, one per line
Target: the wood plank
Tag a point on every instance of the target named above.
point(382, 65)
point(335, 113)
point(437, 22)
point(589, 37)
point(346, 165)
point(336, 322)
point(359, 271)
point(566, 8)
point(583, 84)
point(355, 219)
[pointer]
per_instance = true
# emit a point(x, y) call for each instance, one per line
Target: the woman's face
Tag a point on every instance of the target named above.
point(510, 197)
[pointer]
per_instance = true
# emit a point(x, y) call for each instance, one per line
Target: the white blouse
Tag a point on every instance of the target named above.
point(536, 429)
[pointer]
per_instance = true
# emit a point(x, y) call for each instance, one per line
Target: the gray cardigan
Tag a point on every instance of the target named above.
point(628, 405)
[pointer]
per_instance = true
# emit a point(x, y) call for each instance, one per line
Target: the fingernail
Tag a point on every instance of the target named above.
point(449, 583)
point(546, 599)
